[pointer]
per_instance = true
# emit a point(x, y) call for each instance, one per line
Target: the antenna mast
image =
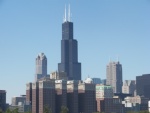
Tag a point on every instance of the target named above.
point(69, 15)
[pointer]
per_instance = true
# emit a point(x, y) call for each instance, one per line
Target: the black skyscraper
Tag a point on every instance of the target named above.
point(69, 51)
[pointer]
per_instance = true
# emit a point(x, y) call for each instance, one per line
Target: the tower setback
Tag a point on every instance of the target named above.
point(69, 51)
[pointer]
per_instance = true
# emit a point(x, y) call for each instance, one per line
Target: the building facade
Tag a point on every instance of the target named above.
point(96, 80)
point(69, 52)
point(143, 85)
point(17, 100)
point(3, 100)
point(138, 102)
point(61, 94)
point(114, 76)
point(129, 87)
point(72, 96)
point(41, 66)
point(86, 96)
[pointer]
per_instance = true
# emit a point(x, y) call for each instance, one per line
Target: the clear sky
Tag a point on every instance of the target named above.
point(104, 29)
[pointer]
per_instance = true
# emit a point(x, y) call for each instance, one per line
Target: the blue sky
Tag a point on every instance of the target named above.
point(104, 29)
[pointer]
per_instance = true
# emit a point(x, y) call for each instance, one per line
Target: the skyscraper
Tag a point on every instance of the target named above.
point(129, 87)
point(114, 76)
point(41, 66)
point(69, 51)
point(143, 85)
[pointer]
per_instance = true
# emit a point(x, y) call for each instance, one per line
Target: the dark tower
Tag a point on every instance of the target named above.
point(69, 51)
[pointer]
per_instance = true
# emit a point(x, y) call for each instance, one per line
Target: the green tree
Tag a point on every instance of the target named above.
point(8, 111)
point(1, 110)
point(64, 109)
point(15, 111)
point(47, 109)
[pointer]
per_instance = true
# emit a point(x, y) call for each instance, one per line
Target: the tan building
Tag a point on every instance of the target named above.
point(129, 87)
point(58, 75)
point(141, 101)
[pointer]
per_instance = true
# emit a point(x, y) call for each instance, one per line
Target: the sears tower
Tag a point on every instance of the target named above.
point(69, 50)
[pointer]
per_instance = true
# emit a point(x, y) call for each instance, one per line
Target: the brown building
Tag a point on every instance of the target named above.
point(35, 97)
point(72, 96)
point(86, 97)
point(61, 94)
point(3, 100)
point(47, 95)
point(29, 92)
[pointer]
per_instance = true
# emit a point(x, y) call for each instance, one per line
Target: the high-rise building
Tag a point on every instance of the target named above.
point(69, 51)
point(35, 97)
point(114, 76)
point(29, 92)
point(3, 100)
point(72, 96)
point(47, 95)
point(41, 66)
point(129, 87)
point(86, 96)
point(61, 94)
point(143, 85)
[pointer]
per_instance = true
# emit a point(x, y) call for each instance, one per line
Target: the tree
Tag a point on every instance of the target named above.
point(47, 109)
point(1, 110)
point(15, 111)
point(8, 111)
point(64, 109)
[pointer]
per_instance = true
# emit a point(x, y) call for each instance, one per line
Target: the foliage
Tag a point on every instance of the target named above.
point(64, 109)
point(47, 109)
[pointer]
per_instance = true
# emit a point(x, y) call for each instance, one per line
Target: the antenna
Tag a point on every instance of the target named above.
point(69, 15)
point(65, 19)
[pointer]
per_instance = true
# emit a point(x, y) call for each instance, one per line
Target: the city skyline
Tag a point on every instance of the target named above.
point(103, 29)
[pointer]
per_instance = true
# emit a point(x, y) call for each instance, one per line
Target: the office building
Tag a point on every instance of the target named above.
point(22, 107)
point(72, 96)
point(58, 75)
point(17, 100)
point(129, 87)
point(143, 85)
point(140, 102)
point(61, 94)
point(106, 101)
point(35, 97)
point(41, 66)
point(69, 51)
point(103, 81)
point(47, 95)
point(103, 93)
point(96, 80)
point(3, 100)
point(114, 76)
point(29, 92)
point(86, 96)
